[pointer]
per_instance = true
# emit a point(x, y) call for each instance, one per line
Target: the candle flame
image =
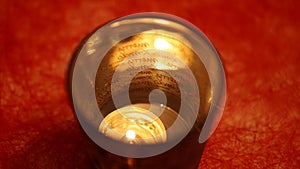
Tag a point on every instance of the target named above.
point(130, 134)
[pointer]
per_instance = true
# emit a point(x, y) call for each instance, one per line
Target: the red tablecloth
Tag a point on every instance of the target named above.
point(259, 43)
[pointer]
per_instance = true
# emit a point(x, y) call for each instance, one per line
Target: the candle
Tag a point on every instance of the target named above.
point(134, 125)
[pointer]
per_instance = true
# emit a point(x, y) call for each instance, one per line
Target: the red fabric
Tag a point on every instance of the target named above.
point(259, 43)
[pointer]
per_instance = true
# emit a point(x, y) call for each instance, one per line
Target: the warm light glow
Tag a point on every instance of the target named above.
point(130, 134)
point(161, 66)
point(116, 24)
point(160, 43)
point(161, 21)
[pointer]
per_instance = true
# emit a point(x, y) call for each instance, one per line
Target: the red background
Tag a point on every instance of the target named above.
point(259, 43)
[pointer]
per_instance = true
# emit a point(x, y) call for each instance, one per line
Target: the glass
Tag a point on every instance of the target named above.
point(149, 90)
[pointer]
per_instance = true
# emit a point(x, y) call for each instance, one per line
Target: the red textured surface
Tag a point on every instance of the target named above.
point(259, 43)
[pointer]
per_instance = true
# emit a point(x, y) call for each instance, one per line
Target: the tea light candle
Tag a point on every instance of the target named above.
point(134, 125)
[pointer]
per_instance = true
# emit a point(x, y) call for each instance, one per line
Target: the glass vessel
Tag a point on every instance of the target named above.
point(148, 89)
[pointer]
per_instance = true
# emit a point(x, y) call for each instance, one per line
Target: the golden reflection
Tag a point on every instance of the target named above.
point(153, 51)
point(160, 43)
point(152, 40)
point(161, 21)
point(116, 24)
